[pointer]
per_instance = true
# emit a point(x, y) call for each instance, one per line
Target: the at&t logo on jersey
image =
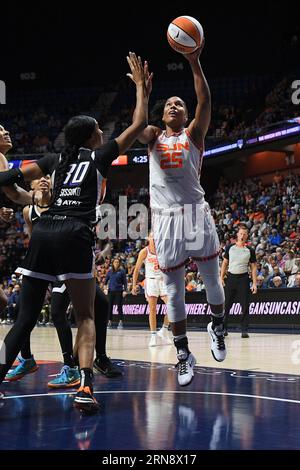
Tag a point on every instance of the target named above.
point(67, 202)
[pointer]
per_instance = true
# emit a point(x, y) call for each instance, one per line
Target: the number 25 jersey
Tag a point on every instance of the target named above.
point(175, 165)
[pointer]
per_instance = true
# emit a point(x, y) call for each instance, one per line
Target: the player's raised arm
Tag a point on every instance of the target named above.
point(140, 118)
point(150, 133)
point(199, 125)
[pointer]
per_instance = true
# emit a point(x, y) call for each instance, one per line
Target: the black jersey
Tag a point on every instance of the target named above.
point(84, 181)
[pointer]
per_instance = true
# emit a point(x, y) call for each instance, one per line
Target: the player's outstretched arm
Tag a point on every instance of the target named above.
point(140, 119)
point(200, 124)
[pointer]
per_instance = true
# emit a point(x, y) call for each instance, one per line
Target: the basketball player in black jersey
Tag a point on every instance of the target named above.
point(69, 374)
point(61, 246)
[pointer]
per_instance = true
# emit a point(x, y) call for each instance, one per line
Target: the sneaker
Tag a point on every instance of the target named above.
point(153, 340)
point(120, 325)
point(164, 335)
point(218, 348)
point(67, 377)
point(185, 369)
point(26, 366)
point(245, 334)
point(109, 324)
point(106, 367)
point(85, 400)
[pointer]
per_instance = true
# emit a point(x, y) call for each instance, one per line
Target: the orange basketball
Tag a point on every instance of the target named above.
point(185, 34)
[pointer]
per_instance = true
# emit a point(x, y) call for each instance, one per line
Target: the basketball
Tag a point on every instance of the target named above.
point(185, 34)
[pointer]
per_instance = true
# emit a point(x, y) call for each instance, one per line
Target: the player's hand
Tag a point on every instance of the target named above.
point(148, 79)
point(6, 214)
point(194, 56)
point(124, 293)
point(134, 290)
point(254, 289)
point(136, 68)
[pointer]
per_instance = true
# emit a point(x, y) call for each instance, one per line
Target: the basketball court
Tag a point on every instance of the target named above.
point(250, 401)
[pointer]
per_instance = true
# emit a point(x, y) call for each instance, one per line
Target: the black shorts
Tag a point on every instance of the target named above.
point(59, 249)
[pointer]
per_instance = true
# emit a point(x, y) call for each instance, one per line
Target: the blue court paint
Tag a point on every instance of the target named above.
point(146, 409)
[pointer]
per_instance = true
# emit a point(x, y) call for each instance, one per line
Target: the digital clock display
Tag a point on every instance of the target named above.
point(140, 159)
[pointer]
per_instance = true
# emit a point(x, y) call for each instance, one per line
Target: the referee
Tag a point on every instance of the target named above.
point(237, 258)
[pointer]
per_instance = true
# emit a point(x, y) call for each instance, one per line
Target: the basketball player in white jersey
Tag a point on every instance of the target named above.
point(177, 202)
point(154, 288)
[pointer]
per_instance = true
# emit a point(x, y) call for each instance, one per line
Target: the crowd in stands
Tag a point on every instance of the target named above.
point(41, 131)
point(271, 213)
point(239, 119)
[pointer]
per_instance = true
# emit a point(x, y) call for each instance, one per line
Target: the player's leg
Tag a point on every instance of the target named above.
point(174, 281)
point(111, 299)
point(119, 302)
point(69, 375)
point(82, 294)
point(102, 363)
point(245, 301)
point(152, 302)
point(31, 301)
point(230, 291)
point(163, 332)
point(209, 271)
point(27, 364)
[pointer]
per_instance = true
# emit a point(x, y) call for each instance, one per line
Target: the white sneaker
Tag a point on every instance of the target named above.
point(164, 335)
point(218, 348)
point(185, 370)
point(120, 325)
point(153, 341)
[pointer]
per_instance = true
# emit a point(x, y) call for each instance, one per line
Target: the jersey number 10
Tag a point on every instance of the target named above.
point(76, 173)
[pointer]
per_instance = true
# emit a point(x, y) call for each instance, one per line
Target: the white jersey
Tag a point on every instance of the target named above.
point(151, 266)
point(175, 165)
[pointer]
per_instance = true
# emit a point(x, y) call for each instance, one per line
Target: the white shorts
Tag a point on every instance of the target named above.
point(183, 233)
point(155, 287)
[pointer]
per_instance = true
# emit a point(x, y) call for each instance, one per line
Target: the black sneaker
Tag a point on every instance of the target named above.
point(85, 400)
point(105, 367)
point(245, 334)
